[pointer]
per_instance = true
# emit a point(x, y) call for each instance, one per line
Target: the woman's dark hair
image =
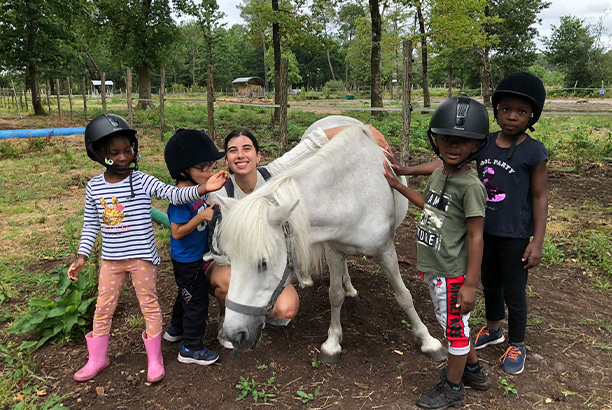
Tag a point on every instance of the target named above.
point(238, 133)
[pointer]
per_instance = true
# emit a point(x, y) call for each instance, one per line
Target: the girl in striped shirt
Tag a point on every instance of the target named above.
point(118, 204)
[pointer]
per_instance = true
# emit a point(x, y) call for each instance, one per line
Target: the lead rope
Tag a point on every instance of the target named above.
point(214, 222)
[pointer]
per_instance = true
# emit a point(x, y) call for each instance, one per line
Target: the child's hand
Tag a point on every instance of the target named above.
point(75, 268)
point(207, 214)
point(466, 298)
point(216, 182)
point(395, 165)
point(390, 176)
point(532, 255)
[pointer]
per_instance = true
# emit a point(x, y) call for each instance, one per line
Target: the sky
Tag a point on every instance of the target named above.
point(587, 10)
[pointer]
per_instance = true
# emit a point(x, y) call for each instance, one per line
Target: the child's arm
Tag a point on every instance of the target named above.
point(421, 169)
point(181, 230)
point(467, 294)
point(411, 194)
point(539, 192)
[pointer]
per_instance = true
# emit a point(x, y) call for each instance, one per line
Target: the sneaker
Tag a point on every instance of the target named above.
point(202, 357)
point(478, 380)
point(513, 361)
point(486, 337)
point(172, 335)
point(442, 396)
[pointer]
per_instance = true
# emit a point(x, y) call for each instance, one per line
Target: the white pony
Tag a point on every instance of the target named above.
point(336, 201)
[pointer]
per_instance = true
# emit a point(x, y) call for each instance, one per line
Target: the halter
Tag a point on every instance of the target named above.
point(292, 267)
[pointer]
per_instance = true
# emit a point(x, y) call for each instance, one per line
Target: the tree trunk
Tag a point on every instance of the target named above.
point(266, 82)
point(276, 46)
point(450, 81)
point(375, 58)
point(330, 66)
point(486, 77)
point(426, 96)
point(93, 62)
point(486, 71)
point(144, 87)
point(406, 107)
point(36, 100)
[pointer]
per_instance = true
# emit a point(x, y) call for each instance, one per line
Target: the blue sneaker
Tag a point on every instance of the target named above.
point(172, 335)
point(202, 357)
point(513, 361)
point(486, 337)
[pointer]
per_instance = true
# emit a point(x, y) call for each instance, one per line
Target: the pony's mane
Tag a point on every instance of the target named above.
point(245, 229)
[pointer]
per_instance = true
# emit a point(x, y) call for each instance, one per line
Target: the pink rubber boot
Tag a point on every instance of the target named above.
point(98, 358)
point(155, 372)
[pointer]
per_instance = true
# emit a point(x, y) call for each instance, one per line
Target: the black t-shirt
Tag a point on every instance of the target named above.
point(508, 183)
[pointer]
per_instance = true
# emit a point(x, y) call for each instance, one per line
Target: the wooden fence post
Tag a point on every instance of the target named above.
point(161, 101)
point(282, 121)
point(57, 92)
point(69, 95)
point(103, 91)
point(406, 107)
point(48, 87)
point(84, 90)
point(25, 98)
point(128, 91)
point(210, 100)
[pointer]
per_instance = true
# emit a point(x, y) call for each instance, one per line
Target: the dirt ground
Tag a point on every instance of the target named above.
point(568, 362)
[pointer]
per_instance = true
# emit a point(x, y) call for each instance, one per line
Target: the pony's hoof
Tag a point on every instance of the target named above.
point(438, 355)
point(354, 297)
point(330, 358)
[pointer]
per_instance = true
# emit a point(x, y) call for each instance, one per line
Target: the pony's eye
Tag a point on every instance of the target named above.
point(263, 265)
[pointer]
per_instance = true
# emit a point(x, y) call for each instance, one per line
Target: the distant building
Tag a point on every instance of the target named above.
point(95, 89)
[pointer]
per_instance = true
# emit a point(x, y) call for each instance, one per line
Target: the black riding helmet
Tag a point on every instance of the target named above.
point(188, 148)
point(525, 85)
point(104, 126)
point(462, 117)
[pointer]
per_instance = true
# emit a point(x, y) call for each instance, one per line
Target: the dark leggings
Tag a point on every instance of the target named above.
point(504, 281)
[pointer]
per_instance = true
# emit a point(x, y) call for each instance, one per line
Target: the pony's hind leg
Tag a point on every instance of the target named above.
point(429, 345)
point(331, 349)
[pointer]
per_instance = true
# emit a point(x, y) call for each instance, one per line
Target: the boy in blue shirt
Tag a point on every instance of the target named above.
point(190, 156)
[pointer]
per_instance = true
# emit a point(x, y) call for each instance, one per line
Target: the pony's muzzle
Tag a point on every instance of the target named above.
point(244, 331)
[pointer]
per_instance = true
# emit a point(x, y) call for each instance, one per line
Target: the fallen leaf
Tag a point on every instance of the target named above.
point(19, 397)
point(100, 391)
point(40, 393)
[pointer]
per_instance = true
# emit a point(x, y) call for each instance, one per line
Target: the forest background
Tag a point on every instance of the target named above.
point(345, 45)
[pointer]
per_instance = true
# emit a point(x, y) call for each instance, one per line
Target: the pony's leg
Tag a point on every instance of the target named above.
point(331, 349)
point(347, 285)
point(429, 345)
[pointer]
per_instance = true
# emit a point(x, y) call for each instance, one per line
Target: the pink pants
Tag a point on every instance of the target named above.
point(112, 275)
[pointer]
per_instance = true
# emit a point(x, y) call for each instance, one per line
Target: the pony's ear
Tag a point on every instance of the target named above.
point(279, 214)
point(226, 202)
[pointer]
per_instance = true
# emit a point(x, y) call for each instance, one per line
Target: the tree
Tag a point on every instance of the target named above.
point(572, 48)
point(376, 97)
point(347, 17)
point(38, 35)
point(516, 32)
point(146, 32)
